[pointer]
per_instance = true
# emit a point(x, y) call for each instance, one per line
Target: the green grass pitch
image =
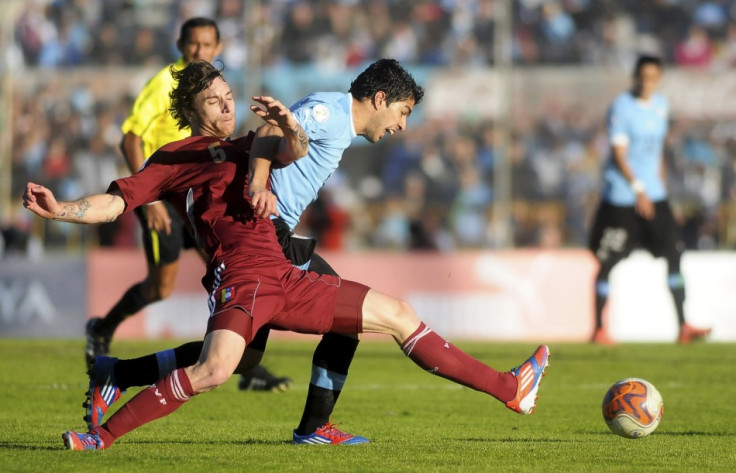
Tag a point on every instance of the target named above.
point(416, 421)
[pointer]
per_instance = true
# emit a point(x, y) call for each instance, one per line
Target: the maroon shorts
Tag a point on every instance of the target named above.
point(283, 297)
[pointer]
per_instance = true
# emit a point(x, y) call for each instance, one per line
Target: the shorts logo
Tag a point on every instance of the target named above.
point(227, 294)
point(612, 241)
point(321, 113)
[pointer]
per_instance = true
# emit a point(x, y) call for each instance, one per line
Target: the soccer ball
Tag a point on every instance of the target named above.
point(632, 408)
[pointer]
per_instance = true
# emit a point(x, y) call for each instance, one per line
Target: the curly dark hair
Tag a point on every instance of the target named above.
point(646, 59)
point(389, 76)
point(190, 81)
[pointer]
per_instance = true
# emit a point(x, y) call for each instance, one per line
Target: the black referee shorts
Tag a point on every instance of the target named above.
point(617, 231)
point(162, 249)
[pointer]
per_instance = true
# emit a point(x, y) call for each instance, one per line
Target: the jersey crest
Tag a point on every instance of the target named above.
point(321, 112)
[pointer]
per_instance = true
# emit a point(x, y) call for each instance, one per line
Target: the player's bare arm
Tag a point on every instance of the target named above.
point(157, 216)
point(131, 147)
point(98, 208)
point(294, 143)
point(644, 205)
point(274, 141)
point(262, 200)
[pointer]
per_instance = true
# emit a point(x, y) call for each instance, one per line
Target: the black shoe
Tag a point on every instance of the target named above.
point(98, 343)
point(259, 379)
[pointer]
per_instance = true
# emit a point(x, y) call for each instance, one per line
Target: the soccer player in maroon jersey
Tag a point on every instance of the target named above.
point(250, 282)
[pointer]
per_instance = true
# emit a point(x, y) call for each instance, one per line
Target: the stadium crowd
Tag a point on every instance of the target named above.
point(432, 188)
point(343, 34)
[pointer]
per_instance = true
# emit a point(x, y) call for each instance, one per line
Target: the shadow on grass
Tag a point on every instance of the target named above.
point(4, 445)
point(28, 447)
point(512, 440)
point(689, 433)
point(694, 433)
point(211, 442)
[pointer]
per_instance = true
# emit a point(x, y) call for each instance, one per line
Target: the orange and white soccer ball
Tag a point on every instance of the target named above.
point(632, 408)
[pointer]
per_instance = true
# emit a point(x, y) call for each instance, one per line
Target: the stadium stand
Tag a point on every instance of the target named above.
point(432, 187)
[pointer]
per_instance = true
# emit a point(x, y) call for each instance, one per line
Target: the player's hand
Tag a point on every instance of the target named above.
point(263, 201)
point(158, 217)
point(644, 206)
point(274, 112)
point(40, 200)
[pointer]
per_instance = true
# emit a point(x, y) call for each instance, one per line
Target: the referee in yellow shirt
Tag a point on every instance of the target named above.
point(149, 127)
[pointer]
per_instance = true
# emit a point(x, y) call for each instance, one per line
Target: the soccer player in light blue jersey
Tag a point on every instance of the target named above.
point(634, 211)
point(379, 102)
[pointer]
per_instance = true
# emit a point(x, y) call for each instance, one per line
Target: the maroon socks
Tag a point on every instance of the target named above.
point(432, 353)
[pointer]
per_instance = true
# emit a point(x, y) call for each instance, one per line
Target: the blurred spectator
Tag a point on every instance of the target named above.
point(64, 33)
point(695, 50)
point(327, 221)
point(431, 187)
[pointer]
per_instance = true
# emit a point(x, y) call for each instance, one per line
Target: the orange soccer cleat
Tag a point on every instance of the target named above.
point(529, 374)
point(688, 333)
point(600, 337)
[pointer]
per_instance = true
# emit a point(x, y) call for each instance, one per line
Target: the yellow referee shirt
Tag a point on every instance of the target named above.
point(150, 118)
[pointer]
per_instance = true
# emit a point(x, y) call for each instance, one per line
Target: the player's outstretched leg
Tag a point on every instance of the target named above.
point(111, 377)
point(221, 354)
point(517, 388)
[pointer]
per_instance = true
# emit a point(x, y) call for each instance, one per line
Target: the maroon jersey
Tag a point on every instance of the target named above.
point(206, 180)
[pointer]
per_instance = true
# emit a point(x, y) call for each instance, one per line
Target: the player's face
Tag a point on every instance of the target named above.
point(200, 45)
point(388, 119)
point(648, 79)
point(214, 110)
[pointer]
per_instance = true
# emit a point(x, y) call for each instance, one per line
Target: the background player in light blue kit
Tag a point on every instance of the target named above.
point(634, 211)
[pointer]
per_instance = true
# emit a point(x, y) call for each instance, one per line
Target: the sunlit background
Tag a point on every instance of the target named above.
point(505, 152)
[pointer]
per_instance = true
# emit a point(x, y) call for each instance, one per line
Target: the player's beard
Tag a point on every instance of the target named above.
point(373, 135)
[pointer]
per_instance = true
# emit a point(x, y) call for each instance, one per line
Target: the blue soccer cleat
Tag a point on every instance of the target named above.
point(102, 392)
point(528, 375)
point(84, 441)
point(329, 434)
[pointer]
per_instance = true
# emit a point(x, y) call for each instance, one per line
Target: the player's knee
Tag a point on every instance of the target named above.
point(217, 375)
point(402, 315)
point(208, 376)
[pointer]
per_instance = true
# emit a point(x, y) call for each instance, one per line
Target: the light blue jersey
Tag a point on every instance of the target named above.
point(326, 118)
point(642, 127)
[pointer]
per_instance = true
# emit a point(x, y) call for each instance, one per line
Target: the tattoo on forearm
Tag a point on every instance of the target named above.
point(302, 137)
point(84, 205)
point(76, 209)
point(65, 211)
